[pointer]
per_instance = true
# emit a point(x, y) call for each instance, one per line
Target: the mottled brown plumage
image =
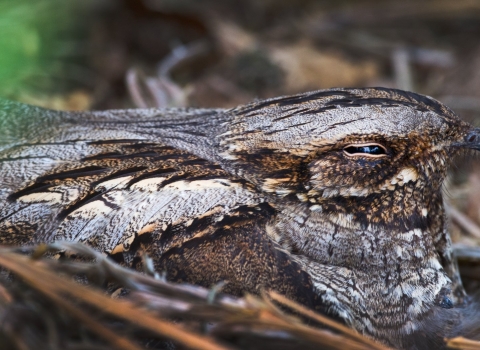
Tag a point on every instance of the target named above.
point(330, 197)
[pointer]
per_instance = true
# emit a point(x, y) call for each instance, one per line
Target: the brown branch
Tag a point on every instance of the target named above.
point(325, 320)
point(464, 222)
point(463, 343)
point(45, 282)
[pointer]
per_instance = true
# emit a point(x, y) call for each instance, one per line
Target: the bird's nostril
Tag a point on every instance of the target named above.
point(471, 140)
point(446, 303)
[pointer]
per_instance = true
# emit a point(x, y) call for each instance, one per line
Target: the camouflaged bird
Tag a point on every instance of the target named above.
point(333, 198)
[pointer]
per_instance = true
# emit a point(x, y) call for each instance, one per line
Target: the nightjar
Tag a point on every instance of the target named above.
point(333, 198)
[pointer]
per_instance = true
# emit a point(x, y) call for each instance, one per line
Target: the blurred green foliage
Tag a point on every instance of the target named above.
point(36, 39)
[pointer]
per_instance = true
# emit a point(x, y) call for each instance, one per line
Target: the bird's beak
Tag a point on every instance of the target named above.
point(471, 139)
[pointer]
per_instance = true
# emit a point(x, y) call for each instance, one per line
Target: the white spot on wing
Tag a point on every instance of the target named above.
point(42, 197)
point(93, 208)
point(150, 184)
point(200, 185)
point(114, 183)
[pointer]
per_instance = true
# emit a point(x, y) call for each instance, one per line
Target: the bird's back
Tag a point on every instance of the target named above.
point(88, 176)
point(140, 180)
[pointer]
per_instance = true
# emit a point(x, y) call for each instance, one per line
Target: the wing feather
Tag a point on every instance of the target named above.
point(108, 192)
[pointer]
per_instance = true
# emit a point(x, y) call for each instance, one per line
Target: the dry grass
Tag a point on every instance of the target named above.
point(42, 306)
point(67, 303)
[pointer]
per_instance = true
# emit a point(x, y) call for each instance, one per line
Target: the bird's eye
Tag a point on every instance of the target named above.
point(369, 150)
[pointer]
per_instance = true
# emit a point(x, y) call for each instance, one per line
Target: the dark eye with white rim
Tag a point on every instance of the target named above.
point(366, 150)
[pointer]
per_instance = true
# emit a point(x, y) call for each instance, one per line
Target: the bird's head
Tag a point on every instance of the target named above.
point(345, 148)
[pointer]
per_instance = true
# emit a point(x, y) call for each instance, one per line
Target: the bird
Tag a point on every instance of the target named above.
point(332, 198)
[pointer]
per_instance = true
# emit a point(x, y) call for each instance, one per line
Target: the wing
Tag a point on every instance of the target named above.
point(121, 183)
point(106, 179)
point(118, 190)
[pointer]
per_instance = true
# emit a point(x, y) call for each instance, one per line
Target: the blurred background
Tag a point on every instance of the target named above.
point(99, 54)
point(210, 53)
